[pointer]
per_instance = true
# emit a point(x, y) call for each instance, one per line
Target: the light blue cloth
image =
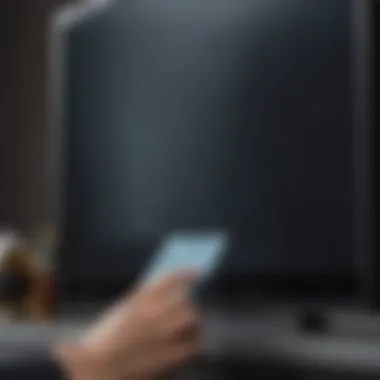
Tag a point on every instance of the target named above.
point(199, 252)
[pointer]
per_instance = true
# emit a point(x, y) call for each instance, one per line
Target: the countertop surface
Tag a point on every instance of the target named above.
point(353, 342)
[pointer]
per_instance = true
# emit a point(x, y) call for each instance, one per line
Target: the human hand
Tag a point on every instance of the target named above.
point(146, 335)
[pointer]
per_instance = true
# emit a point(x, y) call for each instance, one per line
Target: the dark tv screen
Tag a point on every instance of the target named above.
point(235, 115)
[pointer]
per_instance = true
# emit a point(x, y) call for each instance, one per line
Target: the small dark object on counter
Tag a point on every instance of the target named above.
point(313, 322)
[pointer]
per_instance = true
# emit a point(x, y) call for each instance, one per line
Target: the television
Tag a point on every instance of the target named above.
point(255, 117)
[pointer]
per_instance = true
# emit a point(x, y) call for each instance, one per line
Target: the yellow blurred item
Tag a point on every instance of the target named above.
point(25, 282)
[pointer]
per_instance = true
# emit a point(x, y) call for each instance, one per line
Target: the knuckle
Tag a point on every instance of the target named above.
point(186, 329)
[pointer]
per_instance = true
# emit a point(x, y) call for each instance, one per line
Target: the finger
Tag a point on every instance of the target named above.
point(184, 327)
point(178, 281)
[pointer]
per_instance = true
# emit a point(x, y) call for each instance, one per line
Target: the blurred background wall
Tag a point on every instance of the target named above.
point(23, 137)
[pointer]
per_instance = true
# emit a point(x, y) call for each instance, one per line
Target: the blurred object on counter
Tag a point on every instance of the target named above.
point(26, 276)
point(17, 274)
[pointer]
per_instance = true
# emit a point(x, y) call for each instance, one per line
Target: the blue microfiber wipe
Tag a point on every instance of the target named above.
point(201, 252)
